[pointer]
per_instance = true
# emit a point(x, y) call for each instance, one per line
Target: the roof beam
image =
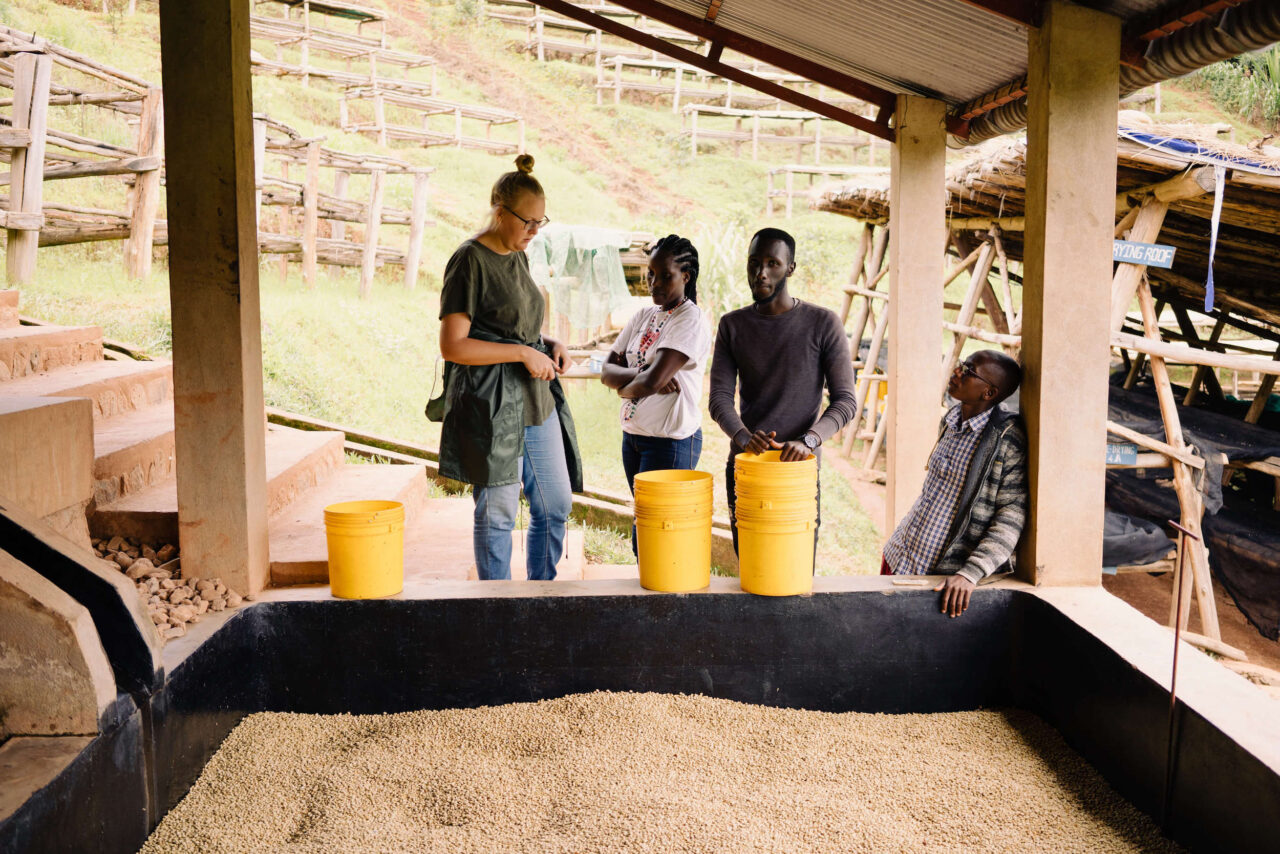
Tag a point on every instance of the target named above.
point(726, 38)
point(698, 26)
point(1169, 21)
point(1025, 12)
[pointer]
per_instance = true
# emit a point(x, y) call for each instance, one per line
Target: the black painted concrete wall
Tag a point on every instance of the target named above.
point(869, 652)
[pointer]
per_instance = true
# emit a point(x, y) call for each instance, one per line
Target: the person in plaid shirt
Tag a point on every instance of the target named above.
point(970, 513)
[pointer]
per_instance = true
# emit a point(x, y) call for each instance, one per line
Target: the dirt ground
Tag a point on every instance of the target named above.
point(1153, 596)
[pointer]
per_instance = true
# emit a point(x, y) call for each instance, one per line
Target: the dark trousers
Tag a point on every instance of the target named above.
point(651, 453)
point(731, 493)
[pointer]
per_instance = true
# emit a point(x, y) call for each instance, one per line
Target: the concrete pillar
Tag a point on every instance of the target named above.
point(213, 291)
point(1073, 86)
point(917, 228)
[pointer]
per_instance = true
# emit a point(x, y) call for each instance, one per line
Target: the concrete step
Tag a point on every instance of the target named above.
point(31, 349)
point(114, 387)
point(132, 452)
point(296, 461)
point(8, 309)
point(299, 550)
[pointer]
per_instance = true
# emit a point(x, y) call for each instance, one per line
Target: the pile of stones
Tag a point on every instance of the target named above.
point(173, 601)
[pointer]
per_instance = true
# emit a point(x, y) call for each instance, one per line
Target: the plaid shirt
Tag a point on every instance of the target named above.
point(917, 543)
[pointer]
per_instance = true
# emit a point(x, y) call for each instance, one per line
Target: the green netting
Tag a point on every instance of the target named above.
point(581, 268)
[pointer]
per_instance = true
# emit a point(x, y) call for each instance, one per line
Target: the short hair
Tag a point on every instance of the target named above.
point(777, 234)
point(510, 185)
point(682, 251)
point(1007, 368)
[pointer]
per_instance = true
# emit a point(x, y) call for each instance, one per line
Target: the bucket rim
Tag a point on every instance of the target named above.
point(363, 504)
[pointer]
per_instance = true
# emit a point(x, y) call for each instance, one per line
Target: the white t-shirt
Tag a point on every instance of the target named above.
point(686, 330)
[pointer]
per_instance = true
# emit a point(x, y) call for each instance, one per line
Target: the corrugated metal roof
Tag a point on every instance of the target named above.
point(947, 49)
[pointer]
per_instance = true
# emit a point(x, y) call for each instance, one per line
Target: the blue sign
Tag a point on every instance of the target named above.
point(1150, 254)
point(1122, 454)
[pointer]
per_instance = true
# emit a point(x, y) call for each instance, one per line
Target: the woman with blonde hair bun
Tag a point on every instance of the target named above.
point(506, 424)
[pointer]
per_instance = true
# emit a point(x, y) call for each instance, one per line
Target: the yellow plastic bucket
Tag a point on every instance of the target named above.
point(775, 558)
point(366, 548)
point(673, 529)
point(776, 509)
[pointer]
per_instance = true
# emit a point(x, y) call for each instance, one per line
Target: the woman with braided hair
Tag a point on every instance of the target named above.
point(656, 366)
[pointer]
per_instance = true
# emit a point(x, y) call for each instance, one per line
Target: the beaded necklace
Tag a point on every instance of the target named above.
point(652, 332)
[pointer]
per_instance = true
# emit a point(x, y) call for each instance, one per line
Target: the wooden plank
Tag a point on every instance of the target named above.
point(31, 73)
point(145, 203)
point(369, 260)
point(21, 221)
point(123, 166)
point(14, 137)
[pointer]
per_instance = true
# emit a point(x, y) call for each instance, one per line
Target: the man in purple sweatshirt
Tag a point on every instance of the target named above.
point(778, 354)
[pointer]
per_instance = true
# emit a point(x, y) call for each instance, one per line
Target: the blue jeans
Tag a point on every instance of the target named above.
point(650, 453)
point(544, 475)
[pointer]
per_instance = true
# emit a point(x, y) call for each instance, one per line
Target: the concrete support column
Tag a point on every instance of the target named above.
point(917, 231)
point(213, 288)
point(1073, 87)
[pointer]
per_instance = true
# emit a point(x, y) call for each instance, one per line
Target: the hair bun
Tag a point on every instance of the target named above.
point(524, 163)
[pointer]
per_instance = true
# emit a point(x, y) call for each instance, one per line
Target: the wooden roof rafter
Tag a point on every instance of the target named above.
point(720, 38)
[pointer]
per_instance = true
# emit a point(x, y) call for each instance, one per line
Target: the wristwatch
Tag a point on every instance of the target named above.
point(811, 440)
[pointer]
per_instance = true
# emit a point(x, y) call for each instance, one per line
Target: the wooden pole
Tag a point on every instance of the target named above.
point(1202, 371)
point(259, 162)
point(693, 133)
point(341, 179)
point(1146, 228)
point(31, 73)
point(790, 189)
point(146, 189)
point(369, 260)
point(305, 44)
point(675, 104)
point(1263, 394)
point(1183, 482)
point(417, 224)
point(855, 275)
point(310, 213)
point(1193, 338)
point(981, 269)
point(878, 441)
point(864, 383)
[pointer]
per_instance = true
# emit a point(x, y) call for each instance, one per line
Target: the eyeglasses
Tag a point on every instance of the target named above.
point(966, 370)
point(529, 224)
